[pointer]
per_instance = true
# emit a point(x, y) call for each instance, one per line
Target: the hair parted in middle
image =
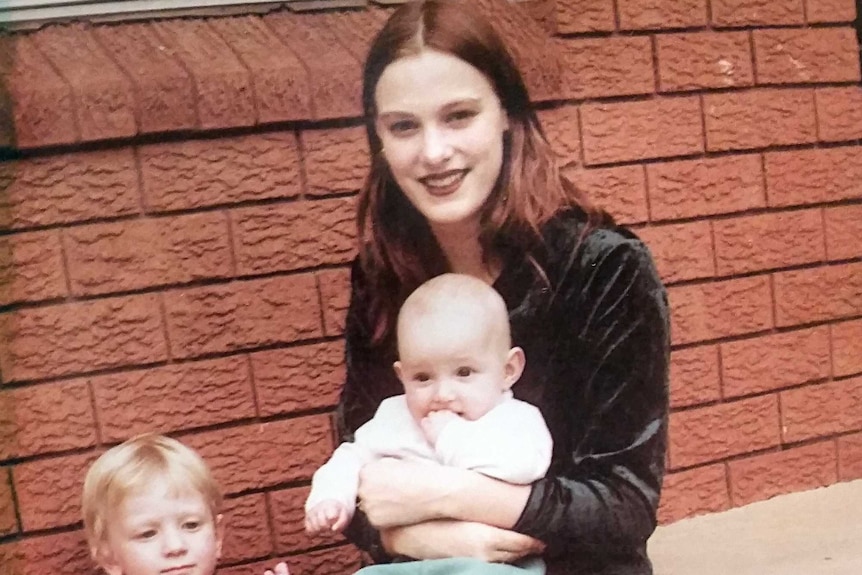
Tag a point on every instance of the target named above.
point(397, 249)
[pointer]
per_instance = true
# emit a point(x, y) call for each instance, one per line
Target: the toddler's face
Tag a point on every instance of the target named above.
point(455, 364)
point(158, 531)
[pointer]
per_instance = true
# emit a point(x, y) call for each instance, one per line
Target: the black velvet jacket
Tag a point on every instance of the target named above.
point(596, 339)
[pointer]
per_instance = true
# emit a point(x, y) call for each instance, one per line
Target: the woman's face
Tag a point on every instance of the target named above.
point(441, 126)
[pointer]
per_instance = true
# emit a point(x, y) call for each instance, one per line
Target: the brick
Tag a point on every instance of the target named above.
point(45, 418)
point(223, 92)
point(355, 29)
point(82, 337)
point(247, 535)
point(681, 251)
point(332, 561)
point(757, 12)
point(720, 309)
point(173, 397)
point(774, 361)
point(298, 378)
point(31, 267)
point(626, 131)
point(336, 84)
point(839, 113)
point(621, 190)
point(753, 243)
point(288, 517)
point(104, 96)
point(68, 188)
point(294, 236)
point(759, 119)
point(530, 46)
point(823, 11)
point(39, 107)
point(700, 60)
point(281, 84)
point(49, 490)
point(719, 431)
point(60, 553)
point(334, 288)
point(694, 376)
point(843, 230)
point(693, 492)
point(562, 129)
point(132, 255)
point(657, 14)
point(164, 91)
point(845, 336)
point(821, 410)
point(8, 520)
point(242, 315)
point(813, 176)
point(336, 160)
point(260, 455)
point(198, 173)
point(585, 16)
point(807, 55)
point(850, 457)
point(798, 469)
point(615, 66)
point(705, 187)
point(818, 294)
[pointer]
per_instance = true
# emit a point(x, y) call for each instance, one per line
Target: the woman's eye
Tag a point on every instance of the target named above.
point(464, 372)
point(460, 118)
point(403, 127)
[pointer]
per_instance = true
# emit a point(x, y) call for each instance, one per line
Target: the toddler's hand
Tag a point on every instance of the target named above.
point(432, 424)
point(328, 515)
point(280, 569)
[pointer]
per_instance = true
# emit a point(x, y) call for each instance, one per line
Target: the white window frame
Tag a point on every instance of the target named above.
point(38, 11)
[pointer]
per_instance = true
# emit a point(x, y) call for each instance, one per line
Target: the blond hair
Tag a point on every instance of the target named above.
point(463, 294)
point(132, 465)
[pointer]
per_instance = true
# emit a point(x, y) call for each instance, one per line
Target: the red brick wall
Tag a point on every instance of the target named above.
point(176, 228)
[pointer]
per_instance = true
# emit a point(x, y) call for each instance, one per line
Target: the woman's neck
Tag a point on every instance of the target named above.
point(465, 255)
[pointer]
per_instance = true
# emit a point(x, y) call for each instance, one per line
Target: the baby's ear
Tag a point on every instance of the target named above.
point(515, 362)
point(398, 371)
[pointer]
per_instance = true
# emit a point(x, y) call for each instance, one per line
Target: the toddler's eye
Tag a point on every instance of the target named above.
point(192, 525)
point(144, 535)
point(464, 372)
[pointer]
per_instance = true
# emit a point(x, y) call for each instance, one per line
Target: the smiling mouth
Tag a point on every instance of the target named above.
point(444, 183)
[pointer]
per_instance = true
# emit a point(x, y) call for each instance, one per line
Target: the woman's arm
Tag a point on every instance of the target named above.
point(612, 351)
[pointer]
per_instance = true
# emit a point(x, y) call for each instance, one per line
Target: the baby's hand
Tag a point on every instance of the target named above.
point(432, 424)
point(328, 515)
point(280, 569)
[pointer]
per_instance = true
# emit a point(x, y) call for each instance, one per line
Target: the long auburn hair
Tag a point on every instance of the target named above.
point(397, 250)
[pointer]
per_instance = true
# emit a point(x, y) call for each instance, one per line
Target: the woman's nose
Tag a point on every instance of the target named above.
point(436, 147)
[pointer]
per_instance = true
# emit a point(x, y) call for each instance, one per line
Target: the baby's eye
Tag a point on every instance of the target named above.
point(464, 372)
point(422, 377)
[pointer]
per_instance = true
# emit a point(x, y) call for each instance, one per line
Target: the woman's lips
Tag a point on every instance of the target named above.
point(444, 183)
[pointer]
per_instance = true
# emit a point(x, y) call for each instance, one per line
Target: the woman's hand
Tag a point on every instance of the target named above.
point(448, 538)
point(395, 492)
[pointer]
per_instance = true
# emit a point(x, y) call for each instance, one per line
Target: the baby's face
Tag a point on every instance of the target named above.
point(451, 364)
point(158, 531)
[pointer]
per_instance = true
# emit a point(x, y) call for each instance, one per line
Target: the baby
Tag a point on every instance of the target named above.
point(152, 507)
point(457, 365)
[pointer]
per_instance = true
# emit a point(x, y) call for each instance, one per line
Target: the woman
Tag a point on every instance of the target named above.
point(462, 179)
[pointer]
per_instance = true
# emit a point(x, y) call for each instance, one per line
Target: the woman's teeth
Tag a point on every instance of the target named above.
point(443, 180)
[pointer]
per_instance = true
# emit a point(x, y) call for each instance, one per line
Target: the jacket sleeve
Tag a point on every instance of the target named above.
point(608, 371)
point(370, 379)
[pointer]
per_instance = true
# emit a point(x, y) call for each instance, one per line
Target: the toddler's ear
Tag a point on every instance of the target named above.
point(219, 533)
point(105, 559)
